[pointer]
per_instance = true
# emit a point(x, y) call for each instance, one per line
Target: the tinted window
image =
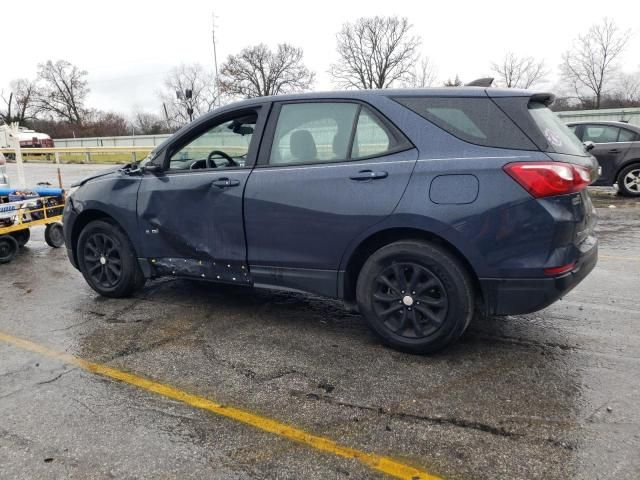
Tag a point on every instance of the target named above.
point(627, 135)
point(324, 132)
point(600, 133)
point(371, 137)
point(221, 146)
point(475, 120)
point(557, 134)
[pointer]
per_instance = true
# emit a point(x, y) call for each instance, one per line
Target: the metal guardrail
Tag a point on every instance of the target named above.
point(18, 153)
point(87, 151)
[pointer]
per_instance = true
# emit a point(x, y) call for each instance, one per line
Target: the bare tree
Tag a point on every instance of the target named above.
point(628, 87)
point(375, 52)
point(588, 66)
point(423, 75)
point(200, 82)
point(257, 71)
point(456, 82)
point(20, 102)
point(519, 72)
point(147, 123)
point(62, 90)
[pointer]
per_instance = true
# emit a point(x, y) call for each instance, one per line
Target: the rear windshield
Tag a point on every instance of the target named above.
point(561, 139)
point(475, 120)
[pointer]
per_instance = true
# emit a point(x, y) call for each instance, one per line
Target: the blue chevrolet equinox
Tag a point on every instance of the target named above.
point(418, 208)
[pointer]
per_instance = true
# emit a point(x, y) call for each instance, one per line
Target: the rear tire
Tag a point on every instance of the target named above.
point(108, 260)
point(415, 296)
point(8, 248)
point(22, 237)
point(54, 235)
point(629, 181)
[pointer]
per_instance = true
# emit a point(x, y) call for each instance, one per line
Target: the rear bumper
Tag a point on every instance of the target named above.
point(516, 296)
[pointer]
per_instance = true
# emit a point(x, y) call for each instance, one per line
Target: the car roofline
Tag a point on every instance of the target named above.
point(364, 94)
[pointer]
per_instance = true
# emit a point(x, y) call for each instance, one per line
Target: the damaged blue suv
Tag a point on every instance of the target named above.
point(416, 207)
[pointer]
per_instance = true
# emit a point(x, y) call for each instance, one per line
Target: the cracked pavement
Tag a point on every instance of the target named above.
point(554, 394)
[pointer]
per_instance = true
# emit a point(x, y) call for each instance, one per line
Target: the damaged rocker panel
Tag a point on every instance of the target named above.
point(214, 270)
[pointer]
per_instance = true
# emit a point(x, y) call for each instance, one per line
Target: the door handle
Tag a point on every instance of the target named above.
point(615, 150)
point(364, 175)
point(225, 182)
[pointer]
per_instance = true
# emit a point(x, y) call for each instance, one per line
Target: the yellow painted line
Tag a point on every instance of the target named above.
point(614, 257)
point(383, 464)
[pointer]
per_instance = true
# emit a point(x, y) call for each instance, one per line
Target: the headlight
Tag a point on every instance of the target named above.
point(72, 190)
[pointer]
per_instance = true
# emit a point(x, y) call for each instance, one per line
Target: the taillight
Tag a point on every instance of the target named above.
point(545, 179)
point(559, 270)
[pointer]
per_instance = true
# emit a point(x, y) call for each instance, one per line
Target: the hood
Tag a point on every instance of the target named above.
point(102, 173)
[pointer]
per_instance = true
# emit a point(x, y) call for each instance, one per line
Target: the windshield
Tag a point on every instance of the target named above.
point(560, 138)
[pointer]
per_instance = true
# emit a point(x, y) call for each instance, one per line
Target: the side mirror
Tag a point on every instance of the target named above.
point(152, 168)
point(589, 145)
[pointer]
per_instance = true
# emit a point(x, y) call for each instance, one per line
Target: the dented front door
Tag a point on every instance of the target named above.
point(190, 215)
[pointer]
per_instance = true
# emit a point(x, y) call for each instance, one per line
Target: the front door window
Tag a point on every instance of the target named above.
point(225, 145)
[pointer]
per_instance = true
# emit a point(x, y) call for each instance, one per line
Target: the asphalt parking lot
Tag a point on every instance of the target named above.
point(183, 380)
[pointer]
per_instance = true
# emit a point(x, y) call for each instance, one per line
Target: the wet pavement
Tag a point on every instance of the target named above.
point(555, 394)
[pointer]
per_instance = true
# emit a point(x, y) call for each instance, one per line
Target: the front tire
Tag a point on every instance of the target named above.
point(415, 296)
point(629, 181)
point(107, 260)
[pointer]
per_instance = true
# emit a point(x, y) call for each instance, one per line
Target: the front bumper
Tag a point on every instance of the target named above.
point(517, 296)
point(69, 219)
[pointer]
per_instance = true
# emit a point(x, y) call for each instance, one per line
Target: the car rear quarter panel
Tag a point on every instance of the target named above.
point(504, 232)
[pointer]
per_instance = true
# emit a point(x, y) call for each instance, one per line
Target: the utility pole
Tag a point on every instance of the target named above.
point(215, 55)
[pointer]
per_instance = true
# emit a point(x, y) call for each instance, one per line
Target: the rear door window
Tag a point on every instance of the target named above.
point(322, 132)
point(475, 120)
point(627, 135)
point(371, 137)
point(600, 133)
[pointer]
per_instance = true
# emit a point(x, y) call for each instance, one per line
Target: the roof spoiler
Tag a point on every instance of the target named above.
point(480, 82)
point(544, 98)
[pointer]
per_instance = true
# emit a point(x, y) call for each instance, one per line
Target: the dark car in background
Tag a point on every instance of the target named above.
point(617, 149)
point(419, 208)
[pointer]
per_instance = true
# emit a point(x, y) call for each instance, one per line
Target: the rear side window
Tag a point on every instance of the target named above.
point(322, 132)
point(474, 120)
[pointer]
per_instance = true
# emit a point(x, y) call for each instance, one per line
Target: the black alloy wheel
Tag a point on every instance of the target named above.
point(108, 260)
point(103, 260)
point(417, 296)
point(411, 301)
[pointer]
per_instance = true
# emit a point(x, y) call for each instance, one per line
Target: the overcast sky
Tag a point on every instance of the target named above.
point(128, 46)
